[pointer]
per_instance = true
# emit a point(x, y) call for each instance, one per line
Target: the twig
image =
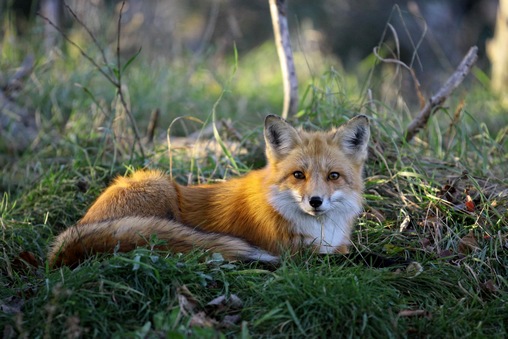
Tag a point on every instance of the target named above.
point(444, 92)
point(152, 125)
point(111, 78)
point(90, 34)
point(81, 51)
point(287, 64)
point(409, 69)
point(119, 86)
point(118, 30)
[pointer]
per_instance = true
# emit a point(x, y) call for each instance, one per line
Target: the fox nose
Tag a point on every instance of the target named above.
point(315, 202)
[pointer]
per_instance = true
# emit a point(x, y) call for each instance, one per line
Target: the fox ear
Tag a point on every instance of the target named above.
point(354, 136)
point(280, 137)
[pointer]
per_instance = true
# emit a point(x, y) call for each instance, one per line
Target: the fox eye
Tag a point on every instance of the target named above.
point(299, 175)
point(333, 176)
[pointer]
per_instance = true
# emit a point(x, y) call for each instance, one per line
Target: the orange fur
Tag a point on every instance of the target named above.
point(254, 217)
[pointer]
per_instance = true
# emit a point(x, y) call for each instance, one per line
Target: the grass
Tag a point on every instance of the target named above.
point(416, 209)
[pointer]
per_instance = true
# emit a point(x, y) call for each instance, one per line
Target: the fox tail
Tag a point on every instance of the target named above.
point(125, 234)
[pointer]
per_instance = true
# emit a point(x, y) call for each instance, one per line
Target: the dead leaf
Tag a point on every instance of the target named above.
point(219, 301)
point(393, 249)
point(414, 269)
point(374, 215)
point(468, 243)
point(73, 328)
point(411, 313)
point(200, 319)
point(404, 223)
point(426, 243)
point(82, 185)
point(11, 305)
point(186, 300)
point(489, 286)
point(449, 193)
point(232, 302)
point(469, 203)
point(445, 254)
point(230, 320)
point(25, 260)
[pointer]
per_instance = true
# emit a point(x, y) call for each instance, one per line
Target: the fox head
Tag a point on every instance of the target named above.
point(316, 173)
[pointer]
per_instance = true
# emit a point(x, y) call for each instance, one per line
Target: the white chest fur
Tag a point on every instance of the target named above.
point(327, 231)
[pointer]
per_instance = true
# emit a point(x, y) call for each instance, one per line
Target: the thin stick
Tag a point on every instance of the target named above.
point(287, 64)
point(119, 27)
point(444, 92)
point(119, 86)
point(116, 82)
point(75, 17)
point(81, 51)
point(152, 125)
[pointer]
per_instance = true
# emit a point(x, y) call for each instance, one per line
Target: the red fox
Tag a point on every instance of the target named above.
point(308, 194)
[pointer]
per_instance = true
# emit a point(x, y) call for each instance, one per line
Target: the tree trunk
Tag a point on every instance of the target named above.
point(283, 44)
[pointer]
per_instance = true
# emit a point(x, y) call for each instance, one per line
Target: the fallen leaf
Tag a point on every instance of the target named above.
point(445, 254)
point(186, 300)
point(230, 320)
point(73, 328)
point(414, 269)
point(25, 260)
point(404, 223)
point(221, 302)
point(469, 203)
point(82, 185)
point(468, 243)
point(200, 319)
point(11, 305)
point(448, 192)
point(489, 286)
point(391, 249)
point(374, 215)
point(425, 242)
point(411, 313)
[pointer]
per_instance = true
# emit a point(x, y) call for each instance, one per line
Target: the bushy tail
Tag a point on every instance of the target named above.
point(83, 240)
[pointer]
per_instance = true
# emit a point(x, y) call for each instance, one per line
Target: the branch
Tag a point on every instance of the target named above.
point(114, 78)
point(444, 92)
point(287, 64)
point(119, 85)
point(91, 35)
point(81, 51)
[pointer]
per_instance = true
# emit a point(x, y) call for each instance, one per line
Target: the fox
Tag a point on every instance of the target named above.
point(308, 195)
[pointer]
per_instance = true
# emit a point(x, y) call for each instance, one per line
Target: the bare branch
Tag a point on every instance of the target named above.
point(75, 17)
point(111, 78)
point(152, 125)
point(287, 64)
point(409, 69)
point(118, 34)
point(444, 92)
point(119, 86)
point(81, 51)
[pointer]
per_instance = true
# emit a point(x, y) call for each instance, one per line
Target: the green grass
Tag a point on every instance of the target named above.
point(460, 291)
